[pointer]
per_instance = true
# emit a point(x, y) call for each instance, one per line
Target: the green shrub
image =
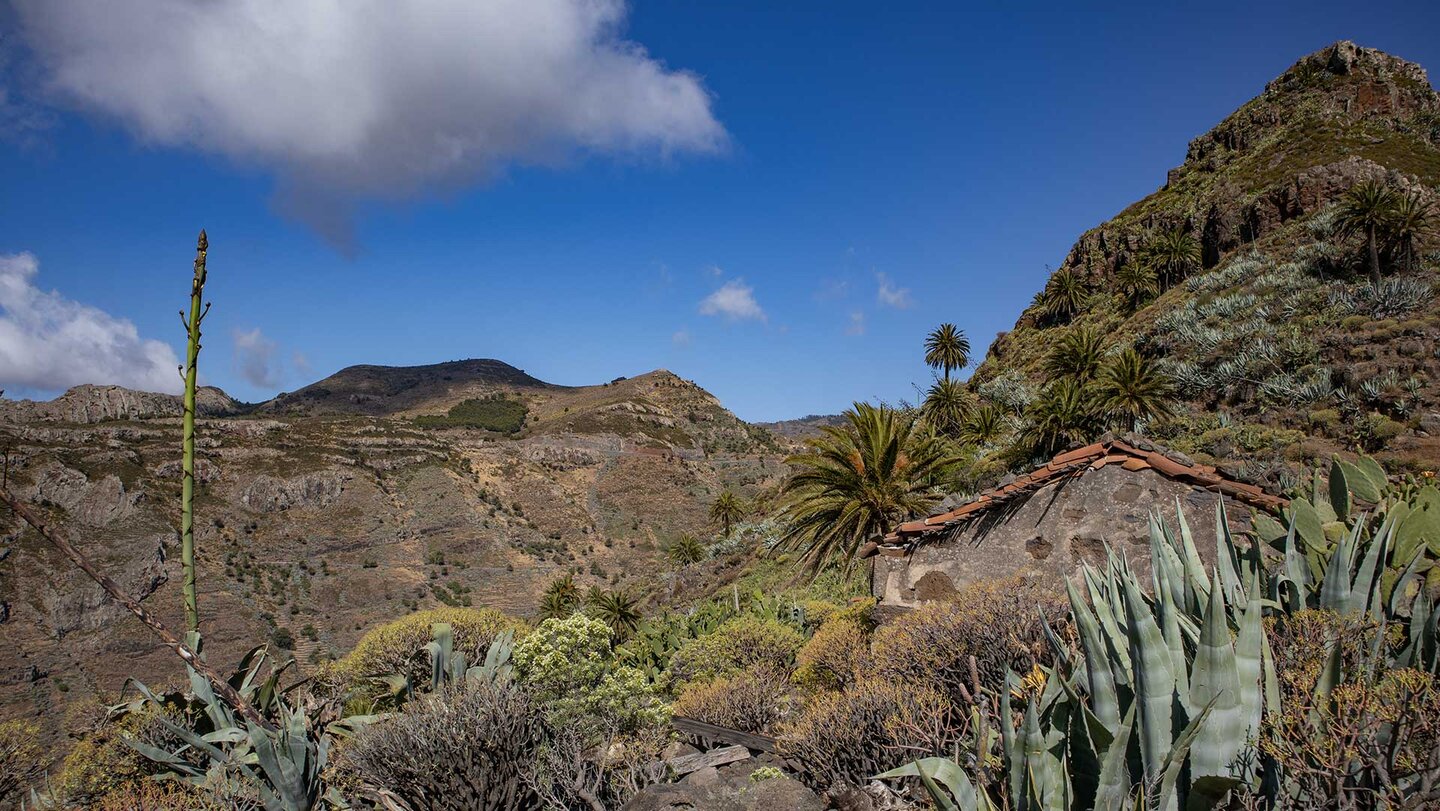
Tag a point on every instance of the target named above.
point(739, 644)
point(399, 646)
point(835, 657)
point(22, 759)
point(449, 751)
point(496, 413)
point(570, 667)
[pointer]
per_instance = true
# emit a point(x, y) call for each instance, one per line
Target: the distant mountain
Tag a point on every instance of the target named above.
point(803, 427)
point(385, 390)
point(1281, 350)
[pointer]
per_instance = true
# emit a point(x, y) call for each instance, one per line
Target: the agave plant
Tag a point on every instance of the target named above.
point(1162, 706)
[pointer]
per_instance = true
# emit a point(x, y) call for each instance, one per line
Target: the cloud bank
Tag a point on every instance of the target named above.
point(734, 301)
point(255, 358)
point(49, 343)
point(353, 100)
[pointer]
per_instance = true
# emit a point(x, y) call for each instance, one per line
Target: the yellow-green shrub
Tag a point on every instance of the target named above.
point(752, 701)
point(835, 657)
point(848, 737)
point(399, 646)
point(996, 621)
point(101, 763)
point(22, 759)
point(738, 644)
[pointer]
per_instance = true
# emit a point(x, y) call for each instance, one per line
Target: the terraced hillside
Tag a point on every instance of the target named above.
point(333, 508)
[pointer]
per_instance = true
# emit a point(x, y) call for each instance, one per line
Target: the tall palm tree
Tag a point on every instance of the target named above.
point(947, 348)
point(685, 550)
point(1061, 416)
point(1132, 387)
point(1137, 283)
point(1076, 355)
point(945, 406)
point(619, 609)
point(1173, 254)
point(726, 510)
point(555, 606)
point(1413, 223)
point(858, 479)
point(1368, 208)
point(1064, 295)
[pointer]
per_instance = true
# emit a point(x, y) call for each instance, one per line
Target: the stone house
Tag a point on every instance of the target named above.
point(1047, 522)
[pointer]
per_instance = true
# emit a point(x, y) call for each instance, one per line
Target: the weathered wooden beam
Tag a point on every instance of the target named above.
point(749, 740)
point(686, 764)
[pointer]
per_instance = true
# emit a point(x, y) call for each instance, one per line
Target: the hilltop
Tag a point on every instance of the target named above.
point(1281, 350)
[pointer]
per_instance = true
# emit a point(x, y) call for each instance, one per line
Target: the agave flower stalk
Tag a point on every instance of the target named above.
point(187, 461)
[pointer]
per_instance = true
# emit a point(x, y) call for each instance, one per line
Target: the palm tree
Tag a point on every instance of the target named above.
point(726, 510)
point(1076, 355)
point(1367, 208)
point(1413, 223)
point(858, 479)
point(1061, 416)
point(1173, 254)
point(619, 609)
point(555, 606)
point(1137, 283)
point(984, 426)
point(945, 406)
point(1064, 295)
point(685, 550)
point(1133, 388)
point(947, 348)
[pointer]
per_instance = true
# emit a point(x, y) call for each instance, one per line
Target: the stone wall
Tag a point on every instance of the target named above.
point(1050, 533)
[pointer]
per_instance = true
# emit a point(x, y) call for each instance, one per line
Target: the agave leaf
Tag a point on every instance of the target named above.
point(1249, 668)
point(1010, 742)
point(1215, 683)
point(1227, 562)
point(962, 793)
point(1165, 797)
point(1196, 582)
point(1325, 684)
point(1297, 574)
point(1103, 698)
point(1153, 680)
point(1365, 592)
point(1335, 590)
point(1113, 787)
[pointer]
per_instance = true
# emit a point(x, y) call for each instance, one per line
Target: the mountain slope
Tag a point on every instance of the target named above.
point(1280, 350)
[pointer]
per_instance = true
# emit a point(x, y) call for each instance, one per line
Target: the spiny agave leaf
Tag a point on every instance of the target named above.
point(1197, 584)
point(1175, 759)
point(1101, 680)
point(1062, 653)
point(1365, 591)
point(1170, 625)
point(1325, 684)
point(1339, 490)
point(159, 756)
point(945, 771)
point(1335, 590)
point(1297, 573)
point(1227, 562)
point(1400, 594)
point(1215, 683)
point(1153, 681)
point(1249, 667)
point(1113, 787)
point(1046, 774)
point(1010, 742)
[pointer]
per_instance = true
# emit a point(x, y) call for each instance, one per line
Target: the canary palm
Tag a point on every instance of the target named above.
point(984, 426)
point(619, 609)
point(1064, 295)
point(727, 510)
point(1368, 208)
point(685, 550)
point(1061, 416)
point(1173, 254)
point(945, 406)
point(1132, 387)
point(1077, 354)
point(1137, 283)
point(947, 348)
point(857, 480)
point(1412, 223)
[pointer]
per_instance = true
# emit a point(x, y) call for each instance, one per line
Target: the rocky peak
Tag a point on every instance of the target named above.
point(91, 403)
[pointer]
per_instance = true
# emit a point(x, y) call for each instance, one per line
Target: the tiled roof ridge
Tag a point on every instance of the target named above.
point(1130, 452)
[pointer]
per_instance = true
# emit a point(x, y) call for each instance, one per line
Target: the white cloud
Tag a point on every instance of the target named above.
point(735, 301)
point(890, 295)
point(714, 271)
point(681, 337)
point(352, 100)
point(856, 326)
point(50, 343)
point(300, 362)
point(255, 359)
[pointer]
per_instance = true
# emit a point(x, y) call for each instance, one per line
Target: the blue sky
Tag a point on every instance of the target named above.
point(864, 171)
